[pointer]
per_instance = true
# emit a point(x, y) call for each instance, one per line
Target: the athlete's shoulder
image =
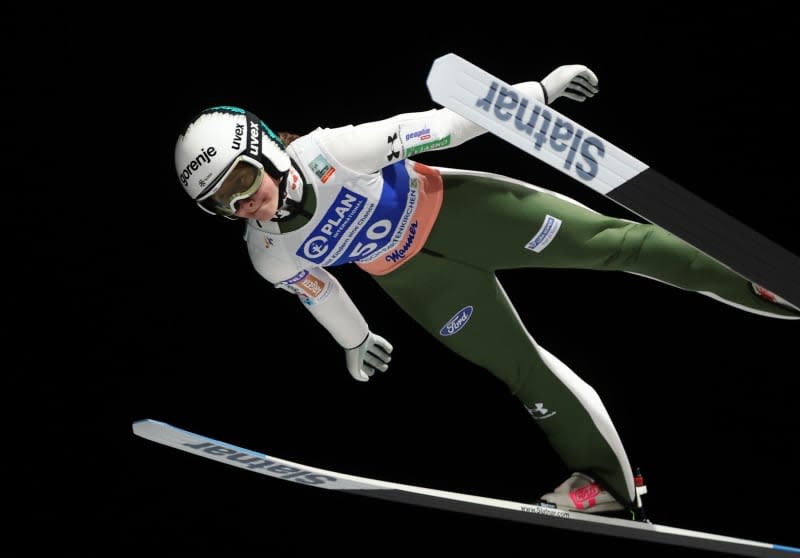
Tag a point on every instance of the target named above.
point(267, 252)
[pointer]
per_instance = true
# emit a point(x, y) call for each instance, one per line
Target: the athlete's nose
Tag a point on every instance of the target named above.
point(248, 203)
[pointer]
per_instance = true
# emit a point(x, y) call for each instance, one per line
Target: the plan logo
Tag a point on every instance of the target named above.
point(333, 226)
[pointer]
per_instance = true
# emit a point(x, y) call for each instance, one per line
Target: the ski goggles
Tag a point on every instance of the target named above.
point(240, 181)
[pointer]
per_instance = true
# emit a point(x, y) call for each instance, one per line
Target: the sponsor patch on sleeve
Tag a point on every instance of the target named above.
point(417, 137)
point(322, 168)
point(547, 232)
point(309, 287)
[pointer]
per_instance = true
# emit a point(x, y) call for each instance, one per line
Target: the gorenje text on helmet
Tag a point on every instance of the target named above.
point(204, 157)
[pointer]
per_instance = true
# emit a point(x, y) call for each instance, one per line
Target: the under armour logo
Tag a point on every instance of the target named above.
point(539, 411)
point(539, 408)
point(391, 140)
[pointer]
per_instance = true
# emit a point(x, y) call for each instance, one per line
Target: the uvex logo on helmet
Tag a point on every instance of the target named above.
point(254, 145)
point(204, 157)
point(238, 132)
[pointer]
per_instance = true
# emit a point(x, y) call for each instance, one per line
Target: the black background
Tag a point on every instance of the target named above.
point(132, 303)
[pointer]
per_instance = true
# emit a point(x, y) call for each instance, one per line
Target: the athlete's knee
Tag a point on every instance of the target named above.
point(520, 374)
point(633, 245)
point(618, 243)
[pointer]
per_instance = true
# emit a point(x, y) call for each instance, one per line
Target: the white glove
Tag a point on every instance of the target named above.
point(576, 82)
point(371, 355)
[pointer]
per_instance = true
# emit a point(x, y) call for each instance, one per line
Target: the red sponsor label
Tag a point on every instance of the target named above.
point(585, 496)
point(328, 174)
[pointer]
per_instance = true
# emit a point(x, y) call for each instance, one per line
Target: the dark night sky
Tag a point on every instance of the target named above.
point(157, 312)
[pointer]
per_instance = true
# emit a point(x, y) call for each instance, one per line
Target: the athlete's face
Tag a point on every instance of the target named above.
point(263, 204)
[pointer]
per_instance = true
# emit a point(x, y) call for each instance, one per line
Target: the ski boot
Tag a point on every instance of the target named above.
point(581, 493)
point(766, 294)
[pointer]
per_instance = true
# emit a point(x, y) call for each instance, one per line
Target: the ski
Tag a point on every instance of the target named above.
point(532, 513)
point(571, 148)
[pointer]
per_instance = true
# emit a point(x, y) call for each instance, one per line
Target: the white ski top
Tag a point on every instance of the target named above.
point(374, 207)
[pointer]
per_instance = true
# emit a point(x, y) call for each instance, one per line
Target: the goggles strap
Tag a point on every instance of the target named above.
point(253, 135)
point(254, 138)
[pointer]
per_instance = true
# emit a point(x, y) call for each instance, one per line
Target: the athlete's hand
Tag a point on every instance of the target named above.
point(371, 355)
point(575, 81)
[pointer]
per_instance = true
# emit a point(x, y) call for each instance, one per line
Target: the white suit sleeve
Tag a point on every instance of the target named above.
point(325, 298)
point(335, 310)
point(371, 146)
point(317, 290)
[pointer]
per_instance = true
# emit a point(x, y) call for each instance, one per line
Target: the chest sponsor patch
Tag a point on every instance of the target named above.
point(333, 226)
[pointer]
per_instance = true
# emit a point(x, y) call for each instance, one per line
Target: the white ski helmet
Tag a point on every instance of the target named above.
point(213, 143)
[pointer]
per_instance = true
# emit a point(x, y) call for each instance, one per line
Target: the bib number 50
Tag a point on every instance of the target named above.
point(377, 231)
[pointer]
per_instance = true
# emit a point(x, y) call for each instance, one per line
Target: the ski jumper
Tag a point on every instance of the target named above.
point(415, 228)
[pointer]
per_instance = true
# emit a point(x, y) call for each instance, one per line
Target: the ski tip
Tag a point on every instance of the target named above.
point(791, 549)
point(438, 76)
